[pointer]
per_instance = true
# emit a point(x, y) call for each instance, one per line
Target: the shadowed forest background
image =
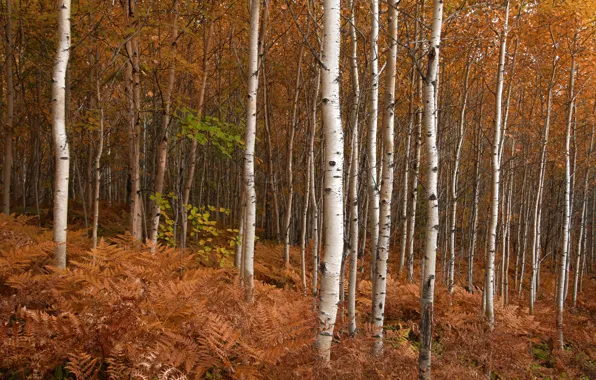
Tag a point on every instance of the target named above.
point(297, 189)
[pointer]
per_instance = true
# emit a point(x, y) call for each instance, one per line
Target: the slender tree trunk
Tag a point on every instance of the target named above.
point(355, 164)
point(572, 193)
point(432, 222)
point(250, 200)
point(454, 188)
point(382, 256)
point(290, 168)
point(333, 193)
point(406, 178)
point(61, 148)
point(522, 229)
point(97, 162)
point(507, 241)
point(474, 232)
point(304, 235)
point(373, 186)
point(567, 205)
point(580, 257)
point(536, 227)
point(415, 179)
point(417, 147)
point(162, 149)
point(190, 177)
point(240, 243)
point(132, 79)
point(496, 171)
point(8, 132)
point(312, 188)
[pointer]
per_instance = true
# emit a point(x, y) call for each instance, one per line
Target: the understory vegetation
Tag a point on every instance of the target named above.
point(123, 311)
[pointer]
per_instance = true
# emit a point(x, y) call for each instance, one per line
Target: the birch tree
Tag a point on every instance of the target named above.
point(333, 192)
point(371, 143)
point(567, 207)
point(418, 151)
point(432, 203)
point(290, 169)
point(454, 187)
point(536, 231)
point(61, 148)
point(382, 256)
point(133, 93)
point(97, 165)
point(162, 149)
point(353, 196)
point(496, 177)
point(580, 257)
point(313, 191)
point(250, 197)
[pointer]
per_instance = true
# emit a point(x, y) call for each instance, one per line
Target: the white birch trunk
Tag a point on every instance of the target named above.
point(496, 180)
point(371, 145)
point(133, 93)
point(454, 189)
point(61, 149)
point(571, 204)
point(580, 257)
point(382, 256)
point(567, 215)
point(353, 201)
point(97, 164)
point(432, 204)
point(406, 178)
point(536, 230)
point(333, 192)
point(250, 200)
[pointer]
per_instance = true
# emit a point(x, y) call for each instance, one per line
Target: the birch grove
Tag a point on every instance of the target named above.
point(195, 154)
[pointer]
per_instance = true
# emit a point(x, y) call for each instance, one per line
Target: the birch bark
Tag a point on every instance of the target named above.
point(538, 201)
point(454, 188)
point(382, 256)
point(567, 215)
point(353, 200)
point(250, 199)
point(432, 204)
point(371, 143)
point(61, 147)
point(333, 192)
point(496, 178)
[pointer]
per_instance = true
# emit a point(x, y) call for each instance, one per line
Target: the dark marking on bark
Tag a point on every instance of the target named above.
point(323, 268)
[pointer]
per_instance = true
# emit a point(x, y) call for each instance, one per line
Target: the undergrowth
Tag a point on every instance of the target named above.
point(123, 312)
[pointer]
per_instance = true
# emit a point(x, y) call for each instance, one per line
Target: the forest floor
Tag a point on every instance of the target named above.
point(122, 311)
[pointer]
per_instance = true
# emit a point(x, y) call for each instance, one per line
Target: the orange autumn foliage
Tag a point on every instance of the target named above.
point(121, 312)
